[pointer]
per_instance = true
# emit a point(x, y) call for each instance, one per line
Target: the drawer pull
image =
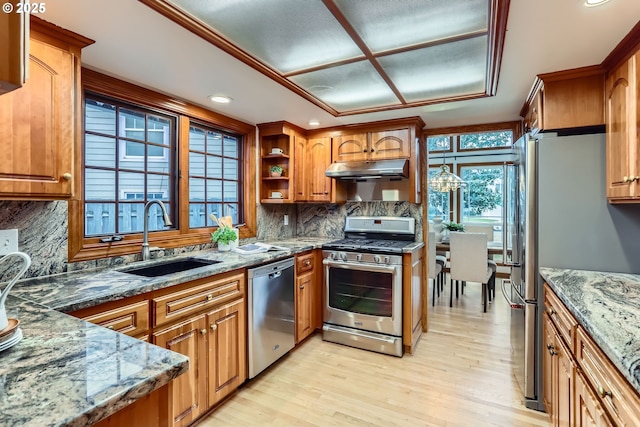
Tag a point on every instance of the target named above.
point(203, 332)
point(301, 286)
point(604, 393)
point(214, 326)
point(111, 327)
point(552, 311)
point(552, 350)
point(209, 297)
point(307, 263)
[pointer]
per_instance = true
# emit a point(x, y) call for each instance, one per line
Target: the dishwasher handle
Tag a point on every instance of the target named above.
point(275, 275)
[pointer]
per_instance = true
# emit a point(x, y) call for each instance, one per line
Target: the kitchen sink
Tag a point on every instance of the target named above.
point(169, 267)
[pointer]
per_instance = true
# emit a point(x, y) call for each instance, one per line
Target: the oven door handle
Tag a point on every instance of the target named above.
point(362, 267)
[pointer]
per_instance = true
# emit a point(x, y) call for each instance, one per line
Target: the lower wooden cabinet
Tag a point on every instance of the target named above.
point(307, 301)
point(558, 367)
point(226, 345)
point(588, 410)
point(412, 299)
point(188, 391)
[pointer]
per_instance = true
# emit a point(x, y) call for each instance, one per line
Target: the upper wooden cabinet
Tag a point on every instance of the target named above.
point(378, 145)
point(14, 50)
point(623, 161)
point(277, 142)
point(41, 119)
point(312, 157)
point(565, 100)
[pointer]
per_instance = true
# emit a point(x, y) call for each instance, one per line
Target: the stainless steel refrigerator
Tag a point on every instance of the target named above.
point(557, 215)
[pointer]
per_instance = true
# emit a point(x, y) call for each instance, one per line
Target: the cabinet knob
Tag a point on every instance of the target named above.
point(326, 192)
point(111, 327)
point(214, 326)
point(307, 263)
point(67, 176)
point(203, 332)
point(552, 311)
point(552, 350)
point(603, 393)
point(625, 179)
point(301, 286)
point(371, 150)
point(364, 151)
point(209, 297)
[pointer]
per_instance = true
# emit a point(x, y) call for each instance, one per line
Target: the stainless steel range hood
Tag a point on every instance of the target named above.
point(369, 171)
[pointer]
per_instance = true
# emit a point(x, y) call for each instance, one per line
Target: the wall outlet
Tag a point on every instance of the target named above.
point(8, 241)
point(286, 220)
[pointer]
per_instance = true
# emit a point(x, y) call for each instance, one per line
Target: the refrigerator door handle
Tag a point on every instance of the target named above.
point(516, 305)
point(509, 226)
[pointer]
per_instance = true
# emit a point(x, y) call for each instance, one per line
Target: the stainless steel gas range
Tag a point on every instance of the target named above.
point(363, 283)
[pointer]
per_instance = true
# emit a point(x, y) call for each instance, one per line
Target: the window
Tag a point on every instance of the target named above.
point(483, 197)
point(140, 145)
point(439, 203)
point(439, 143)
point(215, 179)
point(127, 161)
point(480, 140)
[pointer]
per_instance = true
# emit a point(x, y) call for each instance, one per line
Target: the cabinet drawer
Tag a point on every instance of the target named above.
point(196, 296)
point(562, 319)
point(305, 263)
point(619, 399)
point(132, 319)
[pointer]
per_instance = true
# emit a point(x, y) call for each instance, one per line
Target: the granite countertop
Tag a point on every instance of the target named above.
point(68, 372)
point(607, 305)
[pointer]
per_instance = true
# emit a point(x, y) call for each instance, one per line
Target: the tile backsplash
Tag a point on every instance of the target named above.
point(43, 227)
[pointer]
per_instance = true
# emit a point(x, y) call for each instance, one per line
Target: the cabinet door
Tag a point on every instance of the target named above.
point(301, 188)
point(621, 130)
point(188, 391)
point(36, 128)
point(227, 350)
point(316, 161)
point(304, 305)
point(390, 144)
point(14, 42)
point(588, 410)
point(549, 379)
point(566, 368)
point(348, 148)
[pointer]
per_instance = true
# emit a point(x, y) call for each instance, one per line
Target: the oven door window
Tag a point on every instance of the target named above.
point(363, 292)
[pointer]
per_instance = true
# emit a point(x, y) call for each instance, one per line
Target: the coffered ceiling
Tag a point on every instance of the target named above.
point(355, 56)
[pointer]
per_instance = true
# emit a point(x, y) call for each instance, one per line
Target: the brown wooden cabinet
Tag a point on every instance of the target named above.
point(277, 146)
point(376, 145)
point(130, 317)
point(14, 45)
point(412, 297)
point(226, 345)
point(622, 117)
point(581, 387)
point(41, 119)
point(307, 300)
point(565, 100)
point(312, 157)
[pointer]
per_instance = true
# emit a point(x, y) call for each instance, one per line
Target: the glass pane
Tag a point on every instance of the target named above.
point(159, 162)
point(159, 130)
point(158, 185)
point(214, 190)
point(439, 203)
point(132, 124)
point(132, 155)
point(385, 25)
point(482, 198)
point(266, 32)
point(230, 169)
point(99, 117)
point(440, 71)
point(472, 141)
point(230, 191)
point(196, 190)
point(348, 87)
point(196, 164)
point(214, 167)
point(197, 216)
point(438, 143)
point(131, 217)
point(99, 151)
point(130, 182)
point(99, 185)
point(361, 292)
point(216, 209)
point(214, 143)
point(230, 146)
point(196, 139)
point(231, 209)
point(99, 218)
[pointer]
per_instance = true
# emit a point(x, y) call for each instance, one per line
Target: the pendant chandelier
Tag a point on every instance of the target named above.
point(445, 181)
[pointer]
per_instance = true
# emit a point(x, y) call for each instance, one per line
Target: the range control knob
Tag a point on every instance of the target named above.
point(386, 260)
point(359, 257)
point(343, 256)
point(376, 259)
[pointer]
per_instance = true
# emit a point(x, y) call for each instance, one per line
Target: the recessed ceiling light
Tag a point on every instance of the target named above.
point(591, 3)
point(220, 99)
point(314, 122)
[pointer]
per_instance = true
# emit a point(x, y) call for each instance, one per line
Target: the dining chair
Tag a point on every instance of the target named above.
point(468, 262)
point(435, 266)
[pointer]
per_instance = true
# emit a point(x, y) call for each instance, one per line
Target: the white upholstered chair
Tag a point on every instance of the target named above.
point(469, 262)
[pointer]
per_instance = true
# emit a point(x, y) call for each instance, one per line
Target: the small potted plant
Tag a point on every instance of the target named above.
point(224, 237)
point(275, 170)
point(454, 226)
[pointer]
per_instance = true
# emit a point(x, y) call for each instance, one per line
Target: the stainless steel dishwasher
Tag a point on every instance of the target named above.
point(271, 314)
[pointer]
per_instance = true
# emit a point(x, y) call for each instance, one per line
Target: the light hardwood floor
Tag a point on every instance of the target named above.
point(460, 376)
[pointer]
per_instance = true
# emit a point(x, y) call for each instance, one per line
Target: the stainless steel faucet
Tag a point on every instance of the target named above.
point(145, 234)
